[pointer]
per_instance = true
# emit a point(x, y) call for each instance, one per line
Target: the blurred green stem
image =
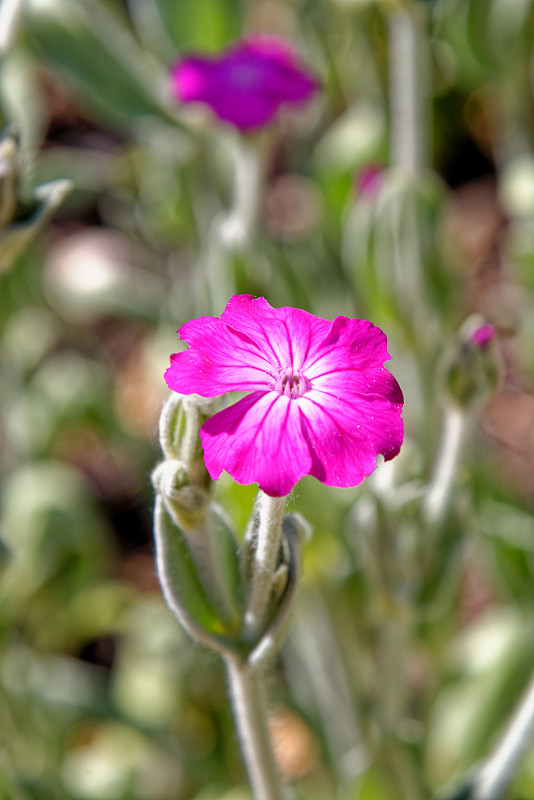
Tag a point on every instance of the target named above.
point(239, 225)
point(394, 635)
point(9, 144)
point(319, 654)
point(408, 147)
point(439, 489)
point(264, 558)
point(250, 714)
point(392, 702)
point(10, 11)
point(233, 231)
point(498, 771)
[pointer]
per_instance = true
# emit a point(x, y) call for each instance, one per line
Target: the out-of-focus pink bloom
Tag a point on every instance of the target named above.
point(369, 180)
point(482, 336)
point(248, 83)
point(321, 402)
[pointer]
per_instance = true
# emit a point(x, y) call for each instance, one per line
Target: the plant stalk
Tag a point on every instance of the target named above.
point(408, 147)
point(264, 558)
point(498, 771)
point(439, 490)
point(250, 715)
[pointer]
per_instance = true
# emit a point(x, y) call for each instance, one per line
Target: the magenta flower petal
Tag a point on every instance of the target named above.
point(345, 435)
point(322, 402)
point(219, 360)
point(270, 327)
point(247, 84)
point(245, 438)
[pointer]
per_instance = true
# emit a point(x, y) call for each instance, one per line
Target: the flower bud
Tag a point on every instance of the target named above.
point(184, 502)
point(470, 367)
point(369, 181)
point(180, 423)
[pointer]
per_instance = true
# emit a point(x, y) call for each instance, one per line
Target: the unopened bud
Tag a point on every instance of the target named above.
point(470, 368)
point(179, 427)
point(369, 181)
point(185, 502)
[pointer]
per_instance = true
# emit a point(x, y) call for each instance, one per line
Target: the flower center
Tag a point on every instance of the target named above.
point(245, 76)
point(293, 383)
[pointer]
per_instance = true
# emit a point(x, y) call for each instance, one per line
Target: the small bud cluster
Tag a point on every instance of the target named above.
point(470, 367)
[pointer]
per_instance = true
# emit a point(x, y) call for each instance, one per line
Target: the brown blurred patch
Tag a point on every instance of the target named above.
point(509, 419)
point(272, 18)
point(484, 117)
point(137, 399)
point(106, 467)
point(138, 568)
point(477, 592)
point(69, 123)
point(296, 748)
point(474, 222)
point(293, 208)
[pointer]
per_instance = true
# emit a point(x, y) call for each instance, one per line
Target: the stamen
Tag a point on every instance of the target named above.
point(290, 383)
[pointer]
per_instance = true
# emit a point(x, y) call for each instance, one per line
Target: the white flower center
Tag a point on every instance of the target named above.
point(292, 383)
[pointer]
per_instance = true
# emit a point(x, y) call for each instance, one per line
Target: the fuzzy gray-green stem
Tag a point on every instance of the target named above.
point(264, 558)
point(250, 715)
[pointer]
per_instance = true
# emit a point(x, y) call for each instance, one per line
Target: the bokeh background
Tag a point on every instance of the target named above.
point(102, 696)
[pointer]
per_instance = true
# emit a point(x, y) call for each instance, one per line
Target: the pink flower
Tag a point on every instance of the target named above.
point(321, 402)
point(482, 336)
point(247, 84)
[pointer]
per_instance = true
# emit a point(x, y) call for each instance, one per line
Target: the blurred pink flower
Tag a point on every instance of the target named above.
point(248, 83)
point(321, 402)
point(482, 336)
point(369, 180)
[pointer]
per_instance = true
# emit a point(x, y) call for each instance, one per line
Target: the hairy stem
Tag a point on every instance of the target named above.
point(249, 708)
point(264, 558)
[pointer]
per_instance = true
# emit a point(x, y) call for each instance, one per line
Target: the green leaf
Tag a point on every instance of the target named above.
point(227, 551)
point(202, 25)
point(182, 588)
point(15, 238)
point(96, 52)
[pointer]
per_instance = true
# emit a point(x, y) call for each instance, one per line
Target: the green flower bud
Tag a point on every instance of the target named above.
point(179, 427)
point(470, 367)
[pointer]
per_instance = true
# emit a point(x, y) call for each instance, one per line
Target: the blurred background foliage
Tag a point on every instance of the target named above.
point(410, 645)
